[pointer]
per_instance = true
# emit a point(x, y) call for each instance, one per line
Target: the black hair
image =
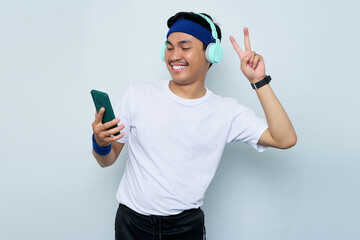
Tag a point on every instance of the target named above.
point(197, 19)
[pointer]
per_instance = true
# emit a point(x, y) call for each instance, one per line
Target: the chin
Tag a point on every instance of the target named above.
point(181, 81)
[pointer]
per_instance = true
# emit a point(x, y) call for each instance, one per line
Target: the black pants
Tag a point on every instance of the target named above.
point(188, 225)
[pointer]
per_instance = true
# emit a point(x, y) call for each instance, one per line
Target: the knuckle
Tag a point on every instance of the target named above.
point(96, 128)
point(100, 134)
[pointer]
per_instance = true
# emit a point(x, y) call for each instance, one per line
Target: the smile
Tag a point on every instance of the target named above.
point(178, 67)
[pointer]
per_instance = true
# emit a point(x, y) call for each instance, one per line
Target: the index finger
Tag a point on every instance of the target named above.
point(235, 45)
point(247, 39)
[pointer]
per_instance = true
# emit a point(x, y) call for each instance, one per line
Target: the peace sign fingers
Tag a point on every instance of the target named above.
point(242, 54)
point(247, 39)
point(251, 64)
point(235, 45)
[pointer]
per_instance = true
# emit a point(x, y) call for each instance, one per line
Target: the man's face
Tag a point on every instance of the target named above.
point(185, 58)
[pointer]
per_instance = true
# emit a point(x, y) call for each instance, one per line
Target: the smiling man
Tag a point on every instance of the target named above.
point(176, 132)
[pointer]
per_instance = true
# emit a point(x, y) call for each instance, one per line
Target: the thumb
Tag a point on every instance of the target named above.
point(245, 61)
point(99, 115)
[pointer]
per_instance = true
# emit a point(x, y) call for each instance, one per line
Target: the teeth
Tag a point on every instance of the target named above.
point(178, 67)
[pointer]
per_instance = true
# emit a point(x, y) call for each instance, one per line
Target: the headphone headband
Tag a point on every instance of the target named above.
point(212, 26)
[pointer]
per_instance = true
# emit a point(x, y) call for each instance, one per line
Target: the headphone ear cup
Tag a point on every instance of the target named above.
point(163, 50)
point(214, 53)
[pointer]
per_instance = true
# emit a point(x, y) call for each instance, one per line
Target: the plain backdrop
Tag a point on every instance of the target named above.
point(52, 53)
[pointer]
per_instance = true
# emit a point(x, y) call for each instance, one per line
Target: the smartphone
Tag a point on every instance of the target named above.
point(101, 99)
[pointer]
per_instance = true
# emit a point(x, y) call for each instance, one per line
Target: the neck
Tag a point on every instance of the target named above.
point(189, 91)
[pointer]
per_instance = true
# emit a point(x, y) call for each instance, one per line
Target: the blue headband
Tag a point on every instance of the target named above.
point(193, 29)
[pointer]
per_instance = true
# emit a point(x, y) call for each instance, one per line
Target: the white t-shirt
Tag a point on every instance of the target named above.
point(175, 145)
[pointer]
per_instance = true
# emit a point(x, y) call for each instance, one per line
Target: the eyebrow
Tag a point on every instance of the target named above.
point(180, 43)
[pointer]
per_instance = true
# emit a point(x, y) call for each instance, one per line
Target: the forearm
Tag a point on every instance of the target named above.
point(280, 126)
point(106, 160)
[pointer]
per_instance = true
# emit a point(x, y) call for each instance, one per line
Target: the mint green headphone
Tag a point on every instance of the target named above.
point(214, 51)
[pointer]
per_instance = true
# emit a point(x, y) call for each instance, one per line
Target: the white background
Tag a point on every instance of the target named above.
point(52, 53)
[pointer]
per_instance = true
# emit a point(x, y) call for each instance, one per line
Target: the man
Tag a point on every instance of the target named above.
point(176, 132)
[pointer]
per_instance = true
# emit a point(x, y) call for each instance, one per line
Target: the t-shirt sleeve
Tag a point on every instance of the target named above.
point(247, 127)
point(123, 112)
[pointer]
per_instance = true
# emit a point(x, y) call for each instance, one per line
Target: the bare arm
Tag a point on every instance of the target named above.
point(280, 133)
point(109, 159)
point(104, 136)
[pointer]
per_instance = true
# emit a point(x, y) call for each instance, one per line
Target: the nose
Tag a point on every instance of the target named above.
point(175, 54)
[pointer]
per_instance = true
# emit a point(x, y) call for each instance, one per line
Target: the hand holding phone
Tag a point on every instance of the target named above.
point(105, 124)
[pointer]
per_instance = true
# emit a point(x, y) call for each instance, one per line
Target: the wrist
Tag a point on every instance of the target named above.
point(99, 142)
point(100, 150)
point(256, 79)
point(260, 83)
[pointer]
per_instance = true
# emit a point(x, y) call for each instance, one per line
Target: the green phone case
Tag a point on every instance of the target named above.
point(101, 99)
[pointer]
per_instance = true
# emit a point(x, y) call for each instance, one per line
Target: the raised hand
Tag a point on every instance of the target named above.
point(251, 64)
